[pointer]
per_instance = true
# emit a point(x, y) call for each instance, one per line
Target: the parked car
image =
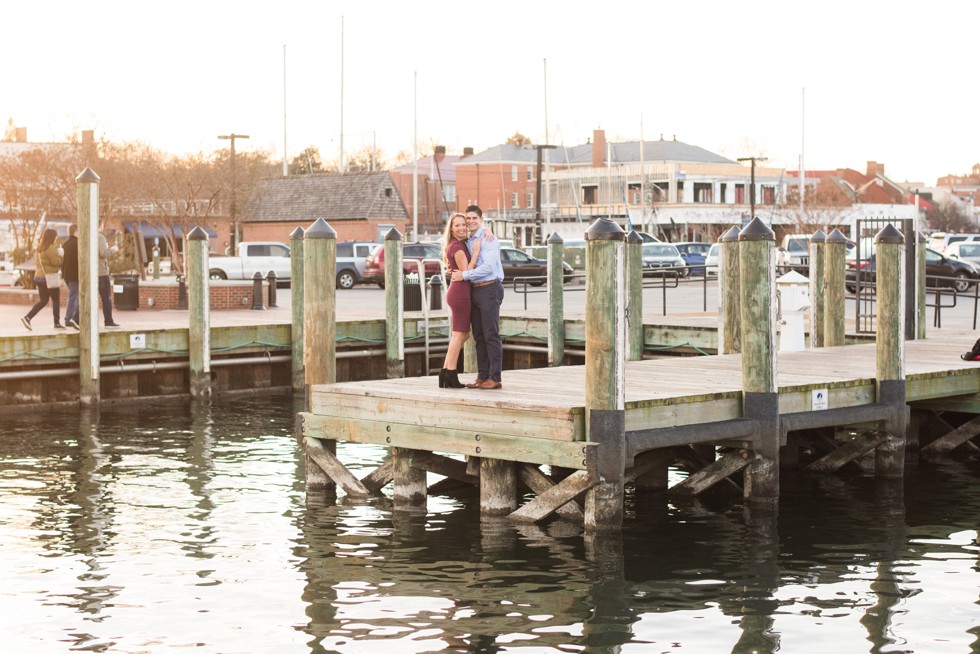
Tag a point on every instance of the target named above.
point(252, 257)
point(352, 262)
point(694, 255)
point(649, 238)
point(965, 251)
point(659, 258)
point(520, 264)
point(940, 241)
point(711, 260)
point(429, 253)
point(963, 273)
point(794, 252)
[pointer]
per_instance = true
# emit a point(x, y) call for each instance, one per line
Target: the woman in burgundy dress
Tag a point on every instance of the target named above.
point(457, 257)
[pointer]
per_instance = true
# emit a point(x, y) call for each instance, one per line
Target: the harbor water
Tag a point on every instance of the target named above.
point(145, 528)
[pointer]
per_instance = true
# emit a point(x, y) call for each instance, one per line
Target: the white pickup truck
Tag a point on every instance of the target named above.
point(252, 257)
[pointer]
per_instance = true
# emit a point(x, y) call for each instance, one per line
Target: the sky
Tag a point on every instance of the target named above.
point(842, 82)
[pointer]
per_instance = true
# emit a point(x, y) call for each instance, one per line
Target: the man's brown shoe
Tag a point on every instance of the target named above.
point(491, 384)
point(476, 384)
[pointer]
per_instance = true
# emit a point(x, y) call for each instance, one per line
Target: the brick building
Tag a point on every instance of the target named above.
point(359, 207)
point(437, 196)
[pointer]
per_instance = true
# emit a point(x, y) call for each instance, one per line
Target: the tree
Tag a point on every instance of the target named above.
point(307, 162)
point(518, 139)
point(948, 216)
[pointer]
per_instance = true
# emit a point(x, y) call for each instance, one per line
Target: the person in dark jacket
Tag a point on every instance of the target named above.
point(69, 273)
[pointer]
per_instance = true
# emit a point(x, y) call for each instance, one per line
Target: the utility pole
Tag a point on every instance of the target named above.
point(537, 196)
point(234, 186)
point(752, 183)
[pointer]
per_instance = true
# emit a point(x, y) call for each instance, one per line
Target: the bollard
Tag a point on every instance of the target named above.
point(296, 302)
point(156, 261)
point(319, 304)
point(87, 203)
point(818, 252)
point(199, 317)
point(556, 300)
point(605, 371)
point(729, 316)
point(257, 301)
point(890, 348)
point(394, 308)
point(181, 294)
point(835, 291)
point(435, 293)
point(273, 281)
point(634, 293)
point(760, 396)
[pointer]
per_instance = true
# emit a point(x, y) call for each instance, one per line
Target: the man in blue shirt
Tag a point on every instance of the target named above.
point(486, 294)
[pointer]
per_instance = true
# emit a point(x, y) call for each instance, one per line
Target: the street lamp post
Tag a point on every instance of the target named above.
point(234, 186)
point(752, 183)
point(537, 196)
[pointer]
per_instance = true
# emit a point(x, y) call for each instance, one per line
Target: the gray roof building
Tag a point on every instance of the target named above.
point(304, 198)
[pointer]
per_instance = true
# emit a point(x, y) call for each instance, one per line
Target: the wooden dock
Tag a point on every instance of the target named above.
point(539, 415)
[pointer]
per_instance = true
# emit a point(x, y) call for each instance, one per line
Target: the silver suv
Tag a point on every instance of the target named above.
point(351, 258)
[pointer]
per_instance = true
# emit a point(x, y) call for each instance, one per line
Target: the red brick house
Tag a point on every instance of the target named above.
point(359, 207)
point(437, 197)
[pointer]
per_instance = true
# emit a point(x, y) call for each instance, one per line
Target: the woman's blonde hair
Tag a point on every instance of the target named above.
point(447, 238)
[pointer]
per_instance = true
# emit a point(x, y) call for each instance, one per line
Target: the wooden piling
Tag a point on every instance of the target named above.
point(890, 348)
point(634, 294)
point(835, 293)
point(199, 313)
point(729, 316)
point(757, 269)
point(319, 303)
point(818, 251)
point(409, 483)
point(87, 208)
point(394, 307)
point(556, 300)
point(605, 370)
point(498, 487)
point(296, 292)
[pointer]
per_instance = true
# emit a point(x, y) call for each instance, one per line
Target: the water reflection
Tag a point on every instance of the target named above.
point(148, 528)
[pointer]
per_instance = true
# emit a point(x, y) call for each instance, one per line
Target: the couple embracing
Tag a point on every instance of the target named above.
point(472, 256)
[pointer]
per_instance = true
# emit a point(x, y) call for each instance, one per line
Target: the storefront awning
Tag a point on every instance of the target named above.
point(151, 231)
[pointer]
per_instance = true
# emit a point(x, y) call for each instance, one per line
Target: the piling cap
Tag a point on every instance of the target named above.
point(197, 234)
point(836, 237)
point(604, 229)
point(889, 234)
point(756, 230)
point(393, 235)
point(556, 239)
point(818, 237)
point(320, 229)
point(731, 235)
point(297, 233)
point(920, 237)
point(633, 237)
point(87, 176)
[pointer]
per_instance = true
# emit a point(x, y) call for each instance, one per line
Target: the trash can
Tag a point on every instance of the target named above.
point(412, 295)
point(126, 292)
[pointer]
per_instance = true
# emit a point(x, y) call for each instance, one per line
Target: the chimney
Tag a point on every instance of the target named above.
point(440, 153)
point(598, 147)
point(21, 136)
point(88, 136)
point(875, 169)
point(467, 152)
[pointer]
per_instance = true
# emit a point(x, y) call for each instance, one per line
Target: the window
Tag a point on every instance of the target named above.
point(345, 250)
point(530, 173)
point(703, 193)
point(530, 200)
point(513, 201)
point(513, 173)
point(256, 250)
point(449, 193)
point(388, 192)
point(768, 194)
point(740, 194)
point(278, 251)
point(589, 193)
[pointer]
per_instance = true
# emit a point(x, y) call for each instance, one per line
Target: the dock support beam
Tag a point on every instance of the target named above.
point(87, 196)
point(890, 349)
point(757, 270)
point(296, 281)
point(394, 308)
point(818, 253)
point(634, 294)
point(835, 292)
point(498, 487)
point(556, 300)
point(409, 482)
point(605, 372)
point(199, 314)
point(729, 318)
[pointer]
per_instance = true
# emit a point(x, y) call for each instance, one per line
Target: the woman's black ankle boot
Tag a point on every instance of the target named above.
point(442, 378)
point(452, 380)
